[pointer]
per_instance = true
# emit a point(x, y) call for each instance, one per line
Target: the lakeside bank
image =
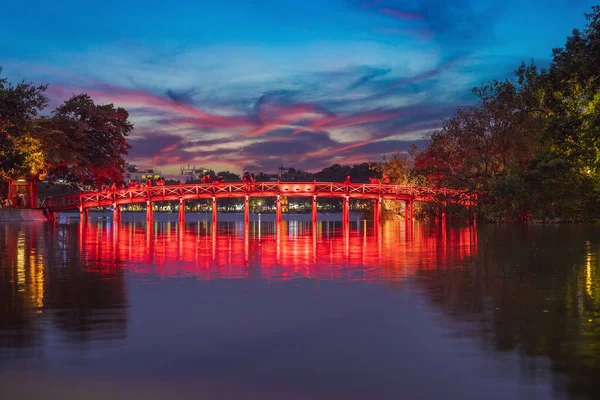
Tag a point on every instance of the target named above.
point(22, 214)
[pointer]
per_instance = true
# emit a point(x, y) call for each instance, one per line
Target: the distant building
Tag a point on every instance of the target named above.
point(193, 173)
point(133, 173)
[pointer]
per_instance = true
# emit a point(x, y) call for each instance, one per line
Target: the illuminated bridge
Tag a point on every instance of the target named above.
point(153, 194)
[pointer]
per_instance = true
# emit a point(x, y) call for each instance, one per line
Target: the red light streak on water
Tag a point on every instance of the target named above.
point(279, 251)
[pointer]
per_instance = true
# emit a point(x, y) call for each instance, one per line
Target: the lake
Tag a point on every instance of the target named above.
point(290, 310)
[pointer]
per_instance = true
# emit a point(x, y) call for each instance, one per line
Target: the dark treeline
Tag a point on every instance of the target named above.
point(80, 143)
point(530, 148)
point(359, 173)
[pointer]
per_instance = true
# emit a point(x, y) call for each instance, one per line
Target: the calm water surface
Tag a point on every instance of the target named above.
point(292, 310)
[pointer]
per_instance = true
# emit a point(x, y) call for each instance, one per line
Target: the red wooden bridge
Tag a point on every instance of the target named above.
point(149, 195)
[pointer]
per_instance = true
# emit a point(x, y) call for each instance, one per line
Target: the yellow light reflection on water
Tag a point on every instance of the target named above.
point(39, 277)
point(30, 273)
point(589, 258)
point(21, 261)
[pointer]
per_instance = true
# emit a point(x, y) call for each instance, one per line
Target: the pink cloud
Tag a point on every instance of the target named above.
point(400, 14)
point(340, 121)
point(135, 98)
point(420, 33)
point(275, 116)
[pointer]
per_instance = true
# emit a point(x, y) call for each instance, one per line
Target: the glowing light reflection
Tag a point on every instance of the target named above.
point(280, 250)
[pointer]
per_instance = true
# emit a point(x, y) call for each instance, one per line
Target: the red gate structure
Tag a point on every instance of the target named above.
point(149, 195)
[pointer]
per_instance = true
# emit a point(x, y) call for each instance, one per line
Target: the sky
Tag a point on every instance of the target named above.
point(225, 84)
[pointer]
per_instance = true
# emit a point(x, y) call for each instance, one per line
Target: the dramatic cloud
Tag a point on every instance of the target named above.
point(300, 84)
point(400, 14)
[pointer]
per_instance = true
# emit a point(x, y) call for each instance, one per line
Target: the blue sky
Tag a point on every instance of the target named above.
point(228, 83)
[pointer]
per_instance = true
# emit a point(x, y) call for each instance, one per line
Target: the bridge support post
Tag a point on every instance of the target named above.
point(377, 210)
point(116, 212)
point(314, 209)
point(83, 214)
point(409, 211)
point(214, 209)
point(278, 208)
point(346, 209)
point(149, 214)
point(375, 204)
point(181, 210)
point(246, 210)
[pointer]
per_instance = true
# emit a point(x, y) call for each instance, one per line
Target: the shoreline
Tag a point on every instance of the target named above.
point(22, 214)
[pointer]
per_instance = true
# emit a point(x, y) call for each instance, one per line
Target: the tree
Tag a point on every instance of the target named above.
point(87, 142)
point(229, 176)
point(21, 153)
point(571, 102)
point(488, 149)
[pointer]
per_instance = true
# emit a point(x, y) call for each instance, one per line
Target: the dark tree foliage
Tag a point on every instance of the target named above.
point(531, 148)
point(19, 150)
point(88, 142)
point(82, 144)
point(229, 176)
point(359, 173)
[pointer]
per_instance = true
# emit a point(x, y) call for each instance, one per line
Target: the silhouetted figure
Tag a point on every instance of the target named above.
point(149, 182)
point(386, 180)
point(219, 179)
point(347, 181)
point(252, 178)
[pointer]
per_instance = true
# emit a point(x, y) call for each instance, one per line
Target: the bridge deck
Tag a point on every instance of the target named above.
point(241, 190)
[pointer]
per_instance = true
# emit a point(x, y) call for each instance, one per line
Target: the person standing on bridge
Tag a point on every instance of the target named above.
point(347, 181)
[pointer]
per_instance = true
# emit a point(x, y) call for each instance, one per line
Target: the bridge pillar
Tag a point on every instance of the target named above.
point(214, 209)
point(377, 210)
point(409, 210)
point(246, 210)
point(116, 212)
point(181, 210)
point(346, 209)
point(314, 209)
point(149, 213)
point(83, 214)
point(278, 208)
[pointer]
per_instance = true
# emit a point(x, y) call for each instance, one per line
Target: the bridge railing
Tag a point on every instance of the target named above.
point(155, 193)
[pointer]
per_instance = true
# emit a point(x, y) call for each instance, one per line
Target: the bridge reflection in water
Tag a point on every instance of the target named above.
point(274, 250)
